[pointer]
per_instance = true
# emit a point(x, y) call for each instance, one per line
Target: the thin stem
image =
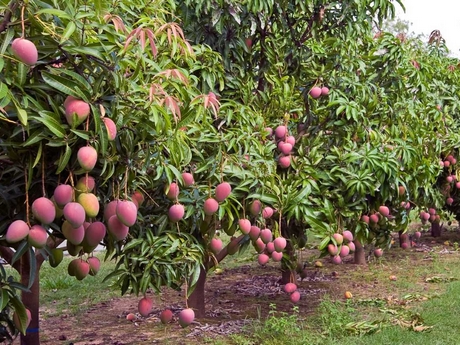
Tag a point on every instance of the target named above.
point(27, 196)
point(22, 21)
point(126, 183)
point(186, 294)
point(43, 175)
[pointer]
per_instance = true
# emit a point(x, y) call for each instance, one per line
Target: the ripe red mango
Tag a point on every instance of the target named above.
point(290, 288)
point(374, 218)
point(223, 190)
point(254, 232)
point(332, 249)
point(94, 265)
point(216, 245)
point(285, 161)
point(267, 212)
point(71, 269)
point(188, 179)
point(166, 316)
point(87, 157)
point(245, 226)
point(280, 132)
point(173, 191)
point(138, 197)
point(17, 231)
point(270, 247)
point(126, 212)
point(352, 247)
point(37, 236)
point(110, 209)
point(263, 259)
point(75, 214)
point(81, 269)
point(176, 213)
point(324, 91)
point(111, 128)
point(295, 297)
point(25, 51)
point(145, 306)
point(337, 260)
point(210, 206)
point(277, 256)
point(255, 207)
point(384, 211)
point(338, 238)
point(280, 244)
point(117, 229)
point(291, 140)
point(285, 148)
point(259, 245)
point(44, 210)
point(347, 236)
point(76, 111)
point(186, 317)
point(266, 235)
point(315, 92)
point(94, 234)
point(74, 235)
point(63, 194)
point(378, 252)
point(344, 250)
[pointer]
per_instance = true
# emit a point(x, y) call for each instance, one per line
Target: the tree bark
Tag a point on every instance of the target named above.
point(196, 301)
point(31, 301)
point(360, 255)
point(287, 274)
point(436, 229)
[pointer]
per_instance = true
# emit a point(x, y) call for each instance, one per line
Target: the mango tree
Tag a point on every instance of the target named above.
point(364, 109)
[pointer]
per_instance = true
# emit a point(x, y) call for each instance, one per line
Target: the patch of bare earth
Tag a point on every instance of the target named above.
point(235, 297)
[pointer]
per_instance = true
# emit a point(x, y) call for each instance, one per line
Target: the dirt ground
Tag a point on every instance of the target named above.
point(233, 298)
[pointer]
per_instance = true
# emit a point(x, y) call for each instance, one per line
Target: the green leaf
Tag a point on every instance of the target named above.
point(65, 85)
point(64, 159)
point(55, 12)
point(69, 30)
point(52, 124)
point(4, 299)
point(20, 251)
point(21, 313)
point(33, 267)
point(3, 89)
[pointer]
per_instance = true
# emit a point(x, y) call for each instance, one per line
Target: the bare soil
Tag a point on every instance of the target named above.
point(233, 298)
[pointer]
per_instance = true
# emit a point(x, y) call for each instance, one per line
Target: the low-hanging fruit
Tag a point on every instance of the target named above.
point(216, 245)
point(384, 211)
point(263, 259)
point(81, 269)
point(74, 235)
point(176, 213)
point(245, 226)
point(223, 190)
point(76, 111)
point(280, 244)
point(280, 132)
point(255, 208)
point(315, 92)
point(267, 212)
point(63, 194)
point(126, 212)
point(94, 265)
point(347, 236)
point(378, 252)
point(17, 231)
point(285, 161)
point(186, 317)
point(44, 210)
point(95, 233)
point(111, 128)
point(210, 206)
point(188, 179)
point(173, 191)
point(55, 257)
point(87, 157)
point(117, 229)
point(85, 184)
point(90, 204)
point(338, 238)
point(276, 256)
point(74, 213)
point(25, 51)
point(37, 236)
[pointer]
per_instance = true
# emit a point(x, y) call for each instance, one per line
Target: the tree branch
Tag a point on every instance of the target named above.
point(7, 17)
point(7, 254)
point(221, 255)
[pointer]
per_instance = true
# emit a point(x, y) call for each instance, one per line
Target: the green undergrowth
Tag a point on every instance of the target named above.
point(419, 307)
point(61, 293)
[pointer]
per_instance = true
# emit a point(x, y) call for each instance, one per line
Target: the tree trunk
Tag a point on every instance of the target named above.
point(360, 255)
point(436, 229)
point(288, 275)
point(31, 301)
point(196, 300)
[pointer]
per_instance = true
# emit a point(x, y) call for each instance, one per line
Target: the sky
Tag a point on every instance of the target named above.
point(428, 15)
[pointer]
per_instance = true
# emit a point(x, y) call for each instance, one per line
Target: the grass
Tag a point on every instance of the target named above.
point(420, 307)
point(61, 293)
